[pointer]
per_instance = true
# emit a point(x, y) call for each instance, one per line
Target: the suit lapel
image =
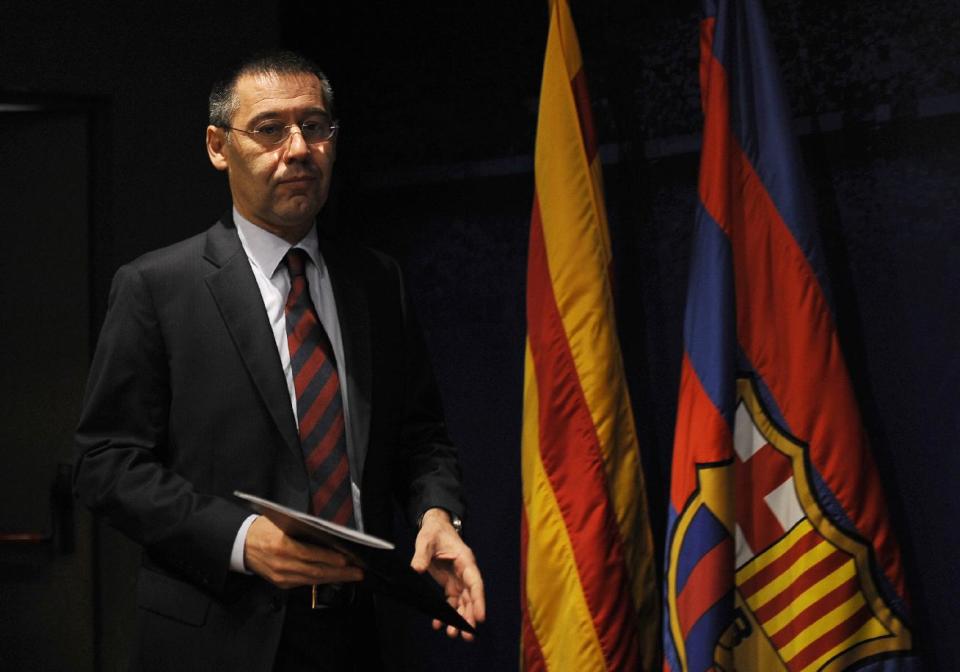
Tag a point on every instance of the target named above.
point(354, 316)
point(238, 297)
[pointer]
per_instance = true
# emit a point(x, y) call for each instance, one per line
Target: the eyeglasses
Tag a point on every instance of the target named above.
point(313, 131)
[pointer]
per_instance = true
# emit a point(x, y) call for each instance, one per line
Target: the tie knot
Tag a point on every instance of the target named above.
point(296, 261)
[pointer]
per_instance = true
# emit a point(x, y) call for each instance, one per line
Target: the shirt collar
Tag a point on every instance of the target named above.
point(267, 250)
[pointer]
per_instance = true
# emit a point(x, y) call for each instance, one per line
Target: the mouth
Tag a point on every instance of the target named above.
point(299, 179)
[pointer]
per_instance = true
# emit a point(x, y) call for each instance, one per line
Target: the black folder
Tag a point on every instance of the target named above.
point(385, 571)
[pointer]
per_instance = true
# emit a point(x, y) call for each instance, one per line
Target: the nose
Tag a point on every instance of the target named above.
point(296, 148)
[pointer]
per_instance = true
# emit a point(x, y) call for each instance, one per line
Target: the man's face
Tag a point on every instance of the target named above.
point(280, 188)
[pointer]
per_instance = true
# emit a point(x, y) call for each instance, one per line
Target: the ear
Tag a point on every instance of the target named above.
point(216, 147)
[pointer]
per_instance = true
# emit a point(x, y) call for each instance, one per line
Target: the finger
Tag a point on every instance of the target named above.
point(473, 587)
point(452, 587)
point(319, 573)
point(463, 608)
point(291, 573)
point(296, 580)
point(453, 633)
point(466, 611)
point(320, 554)
point(478, 602)
point(308, 560)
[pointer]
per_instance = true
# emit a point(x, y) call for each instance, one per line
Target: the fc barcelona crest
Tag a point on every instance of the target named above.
point(761, 576)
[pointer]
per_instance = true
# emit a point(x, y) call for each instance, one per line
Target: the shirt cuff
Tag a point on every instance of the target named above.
point(236, 555)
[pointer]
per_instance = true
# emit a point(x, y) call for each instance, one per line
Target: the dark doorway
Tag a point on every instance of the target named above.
point(46, 584)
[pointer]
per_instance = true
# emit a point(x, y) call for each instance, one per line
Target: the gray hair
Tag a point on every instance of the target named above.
point(223, 99)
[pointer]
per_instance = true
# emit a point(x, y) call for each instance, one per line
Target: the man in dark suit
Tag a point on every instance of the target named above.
point(264, 357)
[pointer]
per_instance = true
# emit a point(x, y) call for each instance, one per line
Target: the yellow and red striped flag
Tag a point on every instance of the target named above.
point(588, 596)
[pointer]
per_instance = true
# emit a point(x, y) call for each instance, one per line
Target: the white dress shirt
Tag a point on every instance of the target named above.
point(265, 252)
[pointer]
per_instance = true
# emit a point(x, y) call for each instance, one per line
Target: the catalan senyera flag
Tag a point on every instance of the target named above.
point(779, 555)
point(589, 598)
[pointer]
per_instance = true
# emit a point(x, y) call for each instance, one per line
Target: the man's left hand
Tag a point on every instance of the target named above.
point(441, 551)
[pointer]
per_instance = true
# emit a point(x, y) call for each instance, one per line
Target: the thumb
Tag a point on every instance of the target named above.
point(422, 554)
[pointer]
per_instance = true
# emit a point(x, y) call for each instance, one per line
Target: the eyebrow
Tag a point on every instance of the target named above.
point(270, 114)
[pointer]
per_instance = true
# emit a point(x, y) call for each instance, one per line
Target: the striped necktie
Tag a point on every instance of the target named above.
point(319, 402)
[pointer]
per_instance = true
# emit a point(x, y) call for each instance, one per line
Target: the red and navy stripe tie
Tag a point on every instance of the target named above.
point(319, 401)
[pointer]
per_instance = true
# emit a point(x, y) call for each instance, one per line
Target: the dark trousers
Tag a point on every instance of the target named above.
point(333, 639)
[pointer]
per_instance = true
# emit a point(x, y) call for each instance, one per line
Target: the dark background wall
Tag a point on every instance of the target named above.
point(438, 102)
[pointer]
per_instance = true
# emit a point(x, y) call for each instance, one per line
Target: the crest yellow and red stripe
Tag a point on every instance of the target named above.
point(587, 583)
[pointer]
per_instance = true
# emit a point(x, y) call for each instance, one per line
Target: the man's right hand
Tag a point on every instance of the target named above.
point(288, 563)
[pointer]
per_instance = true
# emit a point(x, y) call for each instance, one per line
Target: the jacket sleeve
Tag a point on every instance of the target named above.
point(431, 476)
point(123, 439)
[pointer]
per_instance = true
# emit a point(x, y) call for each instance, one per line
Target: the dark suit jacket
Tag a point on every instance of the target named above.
point(187, 402)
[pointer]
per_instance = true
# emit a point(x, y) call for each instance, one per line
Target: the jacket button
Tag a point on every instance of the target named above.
point(276, 602)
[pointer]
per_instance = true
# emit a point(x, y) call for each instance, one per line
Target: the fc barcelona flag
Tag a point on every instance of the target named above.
point(779, 555)
point(588, 593)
